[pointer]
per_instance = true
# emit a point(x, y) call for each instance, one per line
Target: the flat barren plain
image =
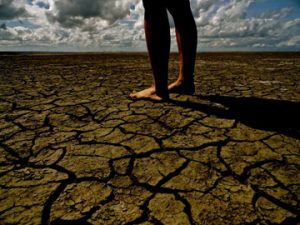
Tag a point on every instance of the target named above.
point(75, 149)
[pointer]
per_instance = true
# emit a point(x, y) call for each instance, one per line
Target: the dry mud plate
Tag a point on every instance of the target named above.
point(75, 149)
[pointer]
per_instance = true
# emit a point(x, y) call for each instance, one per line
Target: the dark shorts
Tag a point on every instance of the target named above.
point(171, 5)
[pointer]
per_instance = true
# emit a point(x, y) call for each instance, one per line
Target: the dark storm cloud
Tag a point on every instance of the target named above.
point(3, 26)
point(69, 13)
point(9, 11)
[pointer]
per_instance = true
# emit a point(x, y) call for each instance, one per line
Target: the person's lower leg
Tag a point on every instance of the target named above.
point(158, 43)
point(157, 32)
point(186, 33)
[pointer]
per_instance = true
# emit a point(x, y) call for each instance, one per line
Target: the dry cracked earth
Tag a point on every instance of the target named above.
point(75, 149)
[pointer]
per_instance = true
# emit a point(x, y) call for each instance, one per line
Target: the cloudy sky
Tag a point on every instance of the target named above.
point(117, 25)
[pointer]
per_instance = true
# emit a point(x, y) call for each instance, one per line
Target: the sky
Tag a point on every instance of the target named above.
point(117, 25)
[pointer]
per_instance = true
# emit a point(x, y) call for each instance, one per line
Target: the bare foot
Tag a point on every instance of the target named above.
point(148, 93)
point(181, 87)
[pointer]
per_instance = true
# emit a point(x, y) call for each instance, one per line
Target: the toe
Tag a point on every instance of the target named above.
point(133, 94)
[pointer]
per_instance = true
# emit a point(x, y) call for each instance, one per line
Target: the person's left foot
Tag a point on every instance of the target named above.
point(148, 93)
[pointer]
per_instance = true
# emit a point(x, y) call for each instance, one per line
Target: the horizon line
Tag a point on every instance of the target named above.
point(139, 52)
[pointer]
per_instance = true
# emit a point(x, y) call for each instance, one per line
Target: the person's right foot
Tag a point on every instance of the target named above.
point(180, 87)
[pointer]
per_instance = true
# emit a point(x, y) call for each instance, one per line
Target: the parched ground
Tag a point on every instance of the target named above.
point(75, 149)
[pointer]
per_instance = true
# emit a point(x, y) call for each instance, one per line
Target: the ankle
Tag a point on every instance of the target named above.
point(163, 94)
point(184, 81)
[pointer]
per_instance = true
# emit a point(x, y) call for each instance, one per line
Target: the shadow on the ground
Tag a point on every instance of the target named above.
point(265, 114)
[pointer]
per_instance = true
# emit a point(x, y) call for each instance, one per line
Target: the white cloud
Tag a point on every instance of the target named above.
point(114, 25)
point(294, 41)
point(225, 25)
point(70, 13)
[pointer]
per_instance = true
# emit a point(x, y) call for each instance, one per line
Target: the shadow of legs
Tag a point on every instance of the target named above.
point(265, 114)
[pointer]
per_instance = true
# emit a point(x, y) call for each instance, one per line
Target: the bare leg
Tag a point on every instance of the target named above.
point(186, 34)
point(157, 32)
